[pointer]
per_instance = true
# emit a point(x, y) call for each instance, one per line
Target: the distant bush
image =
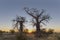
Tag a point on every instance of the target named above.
point(50, 31)
point(26, 31)
point(12, 31)
point(1, 32)
point(43, 30)
point(45, 33)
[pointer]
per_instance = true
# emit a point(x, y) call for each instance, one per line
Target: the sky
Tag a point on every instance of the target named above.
point(10, 8)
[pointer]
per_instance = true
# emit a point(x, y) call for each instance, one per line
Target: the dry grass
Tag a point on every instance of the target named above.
point(55, 36)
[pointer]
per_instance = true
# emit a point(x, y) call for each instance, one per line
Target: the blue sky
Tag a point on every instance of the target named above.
point(10, 8)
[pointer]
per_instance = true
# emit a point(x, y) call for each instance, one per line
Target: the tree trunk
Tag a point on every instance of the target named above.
point(21, 27)
point(37, 26)
point(38, 33)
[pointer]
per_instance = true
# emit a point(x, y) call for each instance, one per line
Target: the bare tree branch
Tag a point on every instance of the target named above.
point(45, 18)
point(29, 13)
point(43, 23)
point(41, 13)
point(16, 25)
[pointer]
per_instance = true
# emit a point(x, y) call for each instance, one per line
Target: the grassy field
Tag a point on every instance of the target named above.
point(8, 36)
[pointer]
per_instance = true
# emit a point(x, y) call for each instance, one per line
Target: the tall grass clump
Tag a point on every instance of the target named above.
point(21, 36)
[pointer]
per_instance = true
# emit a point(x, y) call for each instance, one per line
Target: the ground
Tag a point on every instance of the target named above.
point(7, 36)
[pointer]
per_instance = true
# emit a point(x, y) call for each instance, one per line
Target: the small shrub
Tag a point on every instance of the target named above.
point(21, 37)
point(12, 31)
point(1, 32)
point(58, 37)
point(50, 31)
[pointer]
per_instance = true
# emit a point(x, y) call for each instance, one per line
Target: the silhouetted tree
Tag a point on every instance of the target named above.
point(38, 17)
point(19, 21)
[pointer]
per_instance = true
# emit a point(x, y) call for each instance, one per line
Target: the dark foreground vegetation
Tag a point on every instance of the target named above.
point(29, 36)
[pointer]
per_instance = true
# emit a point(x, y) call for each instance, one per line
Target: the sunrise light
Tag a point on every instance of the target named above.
point(30, 31)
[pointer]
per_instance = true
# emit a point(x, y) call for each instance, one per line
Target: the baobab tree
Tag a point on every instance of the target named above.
point(19, 21)
point(38, 17)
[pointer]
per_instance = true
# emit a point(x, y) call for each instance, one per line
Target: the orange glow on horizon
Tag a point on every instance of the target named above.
point(7, 29)
point(30, 31)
